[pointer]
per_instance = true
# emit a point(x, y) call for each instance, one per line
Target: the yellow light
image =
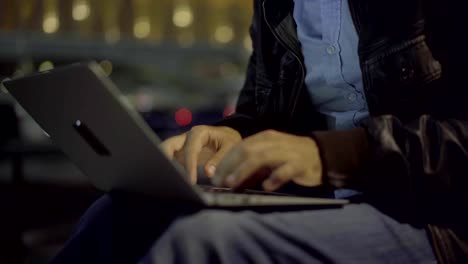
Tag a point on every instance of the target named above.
point(142, 27)
point(107, 67)
point(183, 16)
point(51, 23)
point(248, 43)
point(224, 34)
point(46, 66)
point(81, 11)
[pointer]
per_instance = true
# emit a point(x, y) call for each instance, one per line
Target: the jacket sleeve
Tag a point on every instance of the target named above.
point(422, 158)
point(243, 120)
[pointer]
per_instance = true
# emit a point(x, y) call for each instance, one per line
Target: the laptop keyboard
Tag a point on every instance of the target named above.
point(235, 200)
point(212, 189)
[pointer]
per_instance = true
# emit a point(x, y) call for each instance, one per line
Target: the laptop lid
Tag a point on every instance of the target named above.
point(85, 114)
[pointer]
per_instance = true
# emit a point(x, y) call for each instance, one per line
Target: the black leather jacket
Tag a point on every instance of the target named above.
point(413, 56)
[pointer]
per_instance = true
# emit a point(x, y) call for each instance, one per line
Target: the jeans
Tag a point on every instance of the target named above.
point(128, 229)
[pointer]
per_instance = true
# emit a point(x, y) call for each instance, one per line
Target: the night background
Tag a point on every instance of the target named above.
point(180, 62)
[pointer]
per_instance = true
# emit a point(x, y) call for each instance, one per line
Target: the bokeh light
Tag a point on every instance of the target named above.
point(142, 27)
point(224, 34)
point(81, 10)
point(51, 23)
point(107, 67)
point(183, 16)
point(183, 117)
point(45, 66)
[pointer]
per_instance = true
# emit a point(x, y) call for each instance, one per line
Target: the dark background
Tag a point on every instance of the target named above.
point(180, 62)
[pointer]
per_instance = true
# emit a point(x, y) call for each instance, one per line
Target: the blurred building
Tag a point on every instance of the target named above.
point(173, 59)
point(180, 62)
point(164, 54)
point(181, 22)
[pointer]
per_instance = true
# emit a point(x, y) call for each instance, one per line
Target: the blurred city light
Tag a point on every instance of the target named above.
point(45, 66)
point(183, 16)
point(183, 117)
point(182, 22)
point(248, 43)
point(51, 23)
point(81, 10)
point(142, 27)
point(229, 110)
point(224, 34)
point(144, 100)
point(107, 67)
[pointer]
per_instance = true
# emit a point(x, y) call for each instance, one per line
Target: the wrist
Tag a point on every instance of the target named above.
point(316, 157)
point(344, 156)
point(309, 173)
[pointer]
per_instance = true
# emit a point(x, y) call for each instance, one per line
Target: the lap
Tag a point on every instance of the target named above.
point(118, 228)
point(353, 234)
point(122, 228)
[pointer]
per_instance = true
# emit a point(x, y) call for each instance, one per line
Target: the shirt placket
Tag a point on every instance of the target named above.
point(331, 20)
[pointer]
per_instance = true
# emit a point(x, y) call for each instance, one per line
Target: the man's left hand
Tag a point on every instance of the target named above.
point(273, 159)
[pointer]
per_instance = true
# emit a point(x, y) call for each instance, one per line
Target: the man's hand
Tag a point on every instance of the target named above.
point(273, 158)
point(205, 145)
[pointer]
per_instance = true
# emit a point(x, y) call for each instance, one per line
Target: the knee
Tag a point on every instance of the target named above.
point(98, 210)
point(103, 210)
point(205, 226)
point(197, 239)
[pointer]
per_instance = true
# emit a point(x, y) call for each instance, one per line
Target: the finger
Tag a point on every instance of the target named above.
point(246, 175)
point(206, 154)
point(231, 160)
point(280, 177)
point(254, 151)
point(173, 145)
point(254, 180)
point(212, 164)
point(179, 157)
point(196, 140)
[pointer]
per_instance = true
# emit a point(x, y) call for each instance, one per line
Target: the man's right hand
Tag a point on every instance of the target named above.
point(204, 145)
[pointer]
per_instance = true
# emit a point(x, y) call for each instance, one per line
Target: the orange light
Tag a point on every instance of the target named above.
point(183, 117)
point(229, 110)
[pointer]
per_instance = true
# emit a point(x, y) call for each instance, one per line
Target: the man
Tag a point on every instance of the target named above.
point(386, 78)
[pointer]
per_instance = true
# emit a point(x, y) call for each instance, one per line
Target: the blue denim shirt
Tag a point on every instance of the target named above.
point(330, 47)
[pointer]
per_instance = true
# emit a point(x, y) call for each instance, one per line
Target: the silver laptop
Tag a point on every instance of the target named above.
point(88, 118)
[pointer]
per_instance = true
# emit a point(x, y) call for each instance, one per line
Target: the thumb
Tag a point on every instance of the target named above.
point(212, 164)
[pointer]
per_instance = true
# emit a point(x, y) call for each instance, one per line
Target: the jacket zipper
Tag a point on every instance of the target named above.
point(296, 90)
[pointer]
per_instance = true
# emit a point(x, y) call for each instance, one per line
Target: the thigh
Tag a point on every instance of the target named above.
point(354, 234)
point(118, 228)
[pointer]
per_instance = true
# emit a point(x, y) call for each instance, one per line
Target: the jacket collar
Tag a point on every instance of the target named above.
point(277, 10)
point(278, 14)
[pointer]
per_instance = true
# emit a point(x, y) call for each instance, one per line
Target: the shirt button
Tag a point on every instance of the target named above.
point(331, 50)
point(352, 97)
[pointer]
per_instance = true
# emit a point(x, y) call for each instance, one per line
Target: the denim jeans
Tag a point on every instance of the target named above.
point(128, 229)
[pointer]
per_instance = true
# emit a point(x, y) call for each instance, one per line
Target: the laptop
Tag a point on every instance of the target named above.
point(84, 113)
